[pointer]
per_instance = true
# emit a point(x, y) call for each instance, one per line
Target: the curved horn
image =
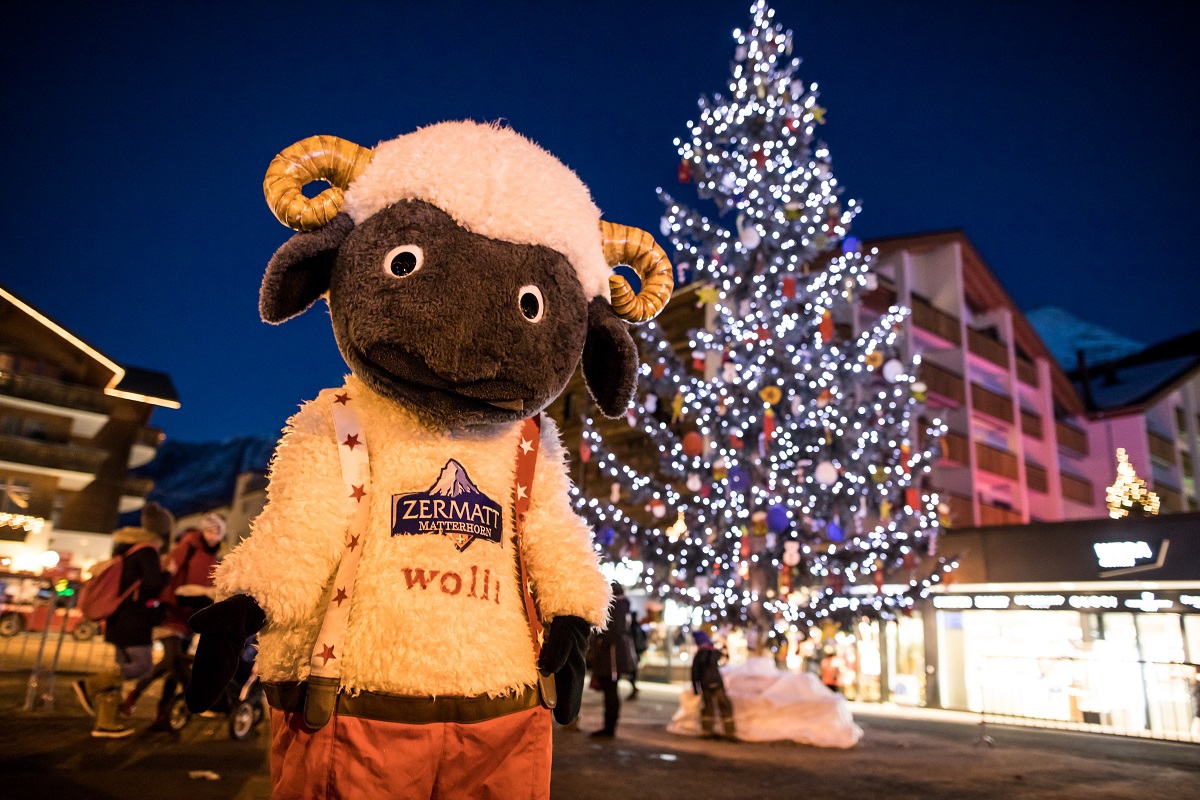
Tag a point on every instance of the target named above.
point(317, 158)
point(624, 244)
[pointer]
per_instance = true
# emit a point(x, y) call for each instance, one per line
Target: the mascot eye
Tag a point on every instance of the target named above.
point(530, 300)
point(403, 261)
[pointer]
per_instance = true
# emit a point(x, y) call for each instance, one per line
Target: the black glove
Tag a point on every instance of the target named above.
point(224, 628)
point(562, 655)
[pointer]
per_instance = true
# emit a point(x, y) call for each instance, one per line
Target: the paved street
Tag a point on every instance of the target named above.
point(899, 757)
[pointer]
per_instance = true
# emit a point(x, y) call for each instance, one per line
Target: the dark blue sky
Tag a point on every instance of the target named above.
point(1062, 136)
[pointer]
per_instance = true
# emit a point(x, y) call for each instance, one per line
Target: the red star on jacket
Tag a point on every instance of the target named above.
point(327, 654)
point(357, 492)
point(353, 542)
point(342, 399)
point(352, 441)
point(340, 596)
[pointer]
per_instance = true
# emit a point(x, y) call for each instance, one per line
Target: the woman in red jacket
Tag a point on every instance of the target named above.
point(190, 589)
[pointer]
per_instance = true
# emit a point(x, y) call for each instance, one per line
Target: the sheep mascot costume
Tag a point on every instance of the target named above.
point(419, 534)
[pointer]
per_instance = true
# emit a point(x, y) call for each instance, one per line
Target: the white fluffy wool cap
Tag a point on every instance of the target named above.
point(493, 182)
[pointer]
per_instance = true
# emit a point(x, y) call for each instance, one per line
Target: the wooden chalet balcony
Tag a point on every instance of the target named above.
point(1170, 500)
point(996, 461)
point(1071, 437)
point(880, 299)
point(986, 347)
point(1077, 489)
point(50, 455)
point(991, 403)
point(1161, 447)
point(1031, 424)
point(943, 382)
point(1036, 479)
point(994, 515)
point(1027, 372)
point(954, 448)
point(53, 393)
point(926, 317)
point(962, 515)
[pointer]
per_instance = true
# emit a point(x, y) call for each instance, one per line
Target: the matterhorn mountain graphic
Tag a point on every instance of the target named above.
point(453, 507)
point(453, 481)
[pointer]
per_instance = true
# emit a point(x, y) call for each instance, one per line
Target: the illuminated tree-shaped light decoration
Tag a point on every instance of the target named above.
point(1129, 492)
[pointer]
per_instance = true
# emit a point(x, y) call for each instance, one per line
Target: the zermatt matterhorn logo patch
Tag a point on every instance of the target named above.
point(452, 507)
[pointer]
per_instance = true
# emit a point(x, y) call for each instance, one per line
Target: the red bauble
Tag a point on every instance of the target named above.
point(788, 287)
point(658, 370)
point(693, 444)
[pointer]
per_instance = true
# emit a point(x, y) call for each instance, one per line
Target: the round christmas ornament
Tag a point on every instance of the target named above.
point(770, 395)
point(693, 444)
point(892, 370)
point(738, 479)
point(874, 359)
point(834, 531)
point(748, 234)
point(850, 245)
point(606, 536)
point(826, 473)
point(778, 518)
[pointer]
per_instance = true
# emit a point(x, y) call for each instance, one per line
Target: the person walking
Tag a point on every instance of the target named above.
point(189, 589)
point(129, 627)
point(613, 657)
point(707, 682)
point(640, 643)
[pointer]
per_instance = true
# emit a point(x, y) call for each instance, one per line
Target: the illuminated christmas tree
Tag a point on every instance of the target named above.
point(787, 483)
point(1129, 492)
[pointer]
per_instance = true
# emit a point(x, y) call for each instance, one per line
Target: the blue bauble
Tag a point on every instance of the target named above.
point(606, 536)
point(850, 245)
point(738, 479)
point(778, 518)
point(834, 531)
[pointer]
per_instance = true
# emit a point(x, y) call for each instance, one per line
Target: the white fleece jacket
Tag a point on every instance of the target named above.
point(427, 618)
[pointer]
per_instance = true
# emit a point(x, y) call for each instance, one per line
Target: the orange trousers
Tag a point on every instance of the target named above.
point(362, 759)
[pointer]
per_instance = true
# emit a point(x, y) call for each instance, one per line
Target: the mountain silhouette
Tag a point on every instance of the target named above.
point(453, 481)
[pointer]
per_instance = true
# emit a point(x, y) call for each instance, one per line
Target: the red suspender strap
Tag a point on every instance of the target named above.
point(527, 450)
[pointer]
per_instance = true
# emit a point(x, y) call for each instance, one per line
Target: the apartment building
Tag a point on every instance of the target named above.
point(73, 421)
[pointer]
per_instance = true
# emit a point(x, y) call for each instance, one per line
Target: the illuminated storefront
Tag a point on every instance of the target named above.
point(1095, 623)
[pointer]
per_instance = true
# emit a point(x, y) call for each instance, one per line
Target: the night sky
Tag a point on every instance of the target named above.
point(1061, 136)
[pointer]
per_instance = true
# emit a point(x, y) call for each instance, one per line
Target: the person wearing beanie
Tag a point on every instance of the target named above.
point(189, 589)
point(130, 627)
point(707, 682)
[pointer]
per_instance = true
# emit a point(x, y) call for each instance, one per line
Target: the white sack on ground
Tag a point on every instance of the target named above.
point(771, 705)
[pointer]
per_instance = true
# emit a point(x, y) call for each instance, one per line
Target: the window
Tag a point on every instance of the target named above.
point(14, 495)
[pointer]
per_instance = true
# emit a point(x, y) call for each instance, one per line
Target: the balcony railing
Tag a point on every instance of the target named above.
point(53, 393)
point(1027, 372)
point(991, 403)
point(936, 321)
point(1077, 489)
point(943, 382)
point(996, 461)
point(1161, 447)
point(1071, 437)
point(962, 514)
point(994, 515)
point(1031, 424)
point(1036, 478)
point(986, 347)
point(954, 448)
point(49, 455)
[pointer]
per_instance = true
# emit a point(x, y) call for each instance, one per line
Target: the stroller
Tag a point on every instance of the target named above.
point(241, 702)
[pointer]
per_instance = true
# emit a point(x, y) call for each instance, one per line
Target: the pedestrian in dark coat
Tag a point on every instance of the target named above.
point(613, 656)
point(707, 682)
point(130, 627)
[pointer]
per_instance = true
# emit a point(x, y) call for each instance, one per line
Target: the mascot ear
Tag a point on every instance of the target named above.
point(610, 359)
point(300, 270)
